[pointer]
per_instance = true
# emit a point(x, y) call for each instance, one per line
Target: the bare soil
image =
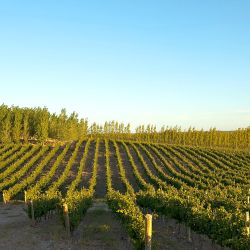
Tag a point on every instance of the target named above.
point(158, 161)
point(101, 180)
point(128, 168)
point(116, 178)
point(74, 168)
point(62, 164)
point(5, 165)
point(148, 161)
point(87, 173)
point(99, 230)
point(139, 165)
point(169, 235)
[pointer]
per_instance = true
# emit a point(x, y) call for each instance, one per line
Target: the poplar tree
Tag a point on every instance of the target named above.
point(25, 132)
point(83, 128)
point(17, 124)
point(72, 126)
point(42, 124)
point(6, 129)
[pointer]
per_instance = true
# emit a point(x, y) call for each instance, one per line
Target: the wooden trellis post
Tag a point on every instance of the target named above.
point(32, 212)
point(189, 234)
point(188, 228)
point(148, 231)
point(247, 215)
point(66, 218)
point(25, 197)
point(247, 224)
point(248, 197)
point(4, 200)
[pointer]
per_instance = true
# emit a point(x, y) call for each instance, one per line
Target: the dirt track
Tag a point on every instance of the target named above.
point(99, 230)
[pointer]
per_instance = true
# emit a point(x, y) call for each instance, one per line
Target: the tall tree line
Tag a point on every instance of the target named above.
point(237, 139)
point(21, 124)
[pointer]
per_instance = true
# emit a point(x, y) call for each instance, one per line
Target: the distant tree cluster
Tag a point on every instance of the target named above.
point(21, 124)
point(112, 130)
point(237, 139)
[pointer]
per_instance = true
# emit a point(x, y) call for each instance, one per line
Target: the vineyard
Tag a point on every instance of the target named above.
point(205, 189)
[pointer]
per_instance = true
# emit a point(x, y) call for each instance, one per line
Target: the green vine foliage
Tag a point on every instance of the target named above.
point(78, 202)
point(225, 227)
point(124, 206)
point(43, 203)
point(203, 188)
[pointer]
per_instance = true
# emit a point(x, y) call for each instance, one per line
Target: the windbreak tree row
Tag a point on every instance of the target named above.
point(23, 124)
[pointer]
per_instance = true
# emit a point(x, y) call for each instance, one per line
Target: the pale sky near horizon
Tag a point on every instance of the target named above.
point(184, 63)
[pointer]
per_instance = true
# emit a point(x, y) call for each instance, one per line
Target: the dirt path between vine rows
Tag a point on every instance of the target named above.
point(99, 230)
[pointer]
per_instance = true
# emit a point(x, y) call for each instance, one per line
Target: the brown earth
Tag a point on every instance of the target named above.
point(99, 230)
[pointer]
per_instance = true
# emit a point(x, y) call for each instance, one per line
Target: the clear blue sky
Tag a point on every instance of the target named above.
point(162, 62)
